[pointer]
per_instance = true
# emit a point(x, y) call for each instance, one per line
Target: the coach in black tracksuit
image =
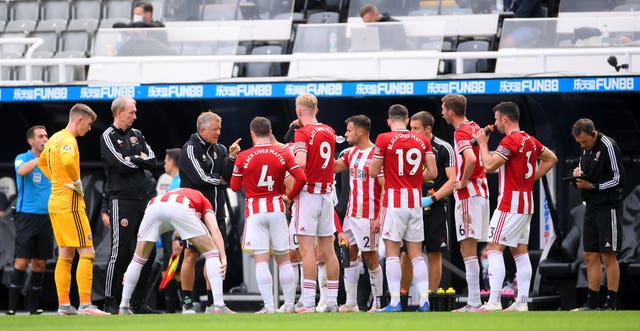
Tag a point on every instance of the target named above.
point(205, 165)
point(126, 155)
point(602, 187)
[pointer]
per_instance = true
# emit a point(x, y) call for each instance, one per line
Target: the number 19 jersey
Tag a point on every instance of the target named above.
point(403, 160)
point(318, 141)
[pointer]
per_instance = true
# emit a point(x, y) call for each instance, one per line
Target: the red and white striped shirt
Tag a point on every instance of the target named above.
point(318, 141)
point(187, 197)
point(478, 180)
point(261, 169)
point(364, 198)
point(516, 176)
point(403, 155)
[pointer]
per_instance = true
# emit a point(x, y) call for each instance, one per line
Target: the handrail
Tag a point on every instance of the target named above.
point(35, 43)
point(459, 57)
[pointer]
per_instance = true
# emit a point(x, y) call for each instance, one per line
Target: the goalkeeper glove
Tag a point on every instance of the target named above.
point(76, 186)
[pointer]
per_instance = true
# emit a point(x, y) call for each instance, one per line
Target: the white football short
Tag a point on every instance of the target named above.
point(472, 218)
point(264, 231)
point(399, 224)
point(160, 217)
point(314, 215)
point(359, 231)
point(509, 229)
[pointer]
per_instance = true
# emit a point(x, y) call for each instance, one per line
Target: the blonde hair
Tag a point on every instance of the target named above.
point(80, 109)
point(308, 101)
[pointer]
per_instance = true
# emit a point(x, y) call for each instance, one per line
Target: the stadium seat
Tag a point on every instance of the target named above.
point(117, 8)
point(25, 10)
point(628, 7)
point(267, 69)
point(49, 40)
point(56, 9)
point(75, 41)
point(37, 72)
point(473, 65)
point(324, 17)
point(7, 49)
point(24, 26)
point(54, 24)
point(4, 11)
point(72, 73)
point(221, 12)
point(107, 23)
point(87, 9)
point(87, 24)
point(584, 5)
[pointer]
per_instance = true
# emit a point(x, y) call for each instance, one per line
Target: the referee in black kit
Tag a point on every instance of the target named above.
point(600, 178)
point(126, 155)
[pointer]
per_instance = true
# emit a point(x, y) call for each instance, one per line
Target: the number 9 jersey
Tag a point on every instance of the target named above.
point(318, 141)
point(403, 157)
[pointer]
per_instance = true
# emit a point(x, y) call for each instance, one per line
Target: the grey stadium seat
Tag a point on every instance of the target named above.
point(323, 17)
point(49, 38)
point(473, 65)
point(107, 23)
point(87, 9)
point(25, 26)
point(55, 24)
point(118, 8)
point(75, 41)
point(37, 72)
point(73, 73)
point(266, 69)
point(25, 10)
point(87, 24)
point(13, 48)
point(60, 9)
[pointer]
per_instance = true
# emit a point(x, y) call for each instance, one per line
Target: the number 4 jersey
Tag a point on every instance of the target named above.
point(403, 160)
point(318, 141)
point(516, 176)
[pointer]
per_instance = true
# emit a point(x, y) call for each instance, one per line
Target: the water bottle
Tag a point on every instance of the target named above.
point(605, 35)
point(344, 255)
point(450, 294)
point(487, 129)
point(440, 304)
point(333, 42)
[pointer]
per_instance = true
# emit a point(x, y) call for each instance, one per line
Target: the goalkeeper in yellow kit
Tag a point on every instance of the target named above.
point(60, 162)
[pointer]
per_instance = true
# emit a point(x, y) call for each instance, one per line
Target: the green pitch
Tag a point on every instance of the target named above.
point(539, 321)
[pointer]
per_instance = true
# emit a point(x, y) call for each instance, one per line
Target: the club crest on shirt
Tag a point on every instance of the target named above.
point(124, 222)
point(597, 156)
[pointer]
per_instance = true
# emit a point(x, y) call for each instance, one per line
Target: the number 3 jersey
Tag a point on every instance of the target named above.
point(318, 141)
point(403, 158)
point(516, 176)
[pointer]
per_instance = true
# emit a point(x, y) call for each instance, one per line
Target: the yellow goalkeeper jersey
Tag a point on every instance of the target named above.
point(60, 162)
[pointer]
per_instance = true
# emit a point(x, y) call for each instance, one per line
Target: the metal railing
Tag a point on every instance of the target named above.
point(625, 54)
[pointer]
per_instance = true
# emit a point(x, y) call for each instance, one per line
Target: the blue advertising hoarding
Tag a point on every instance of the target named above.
point(321, 89)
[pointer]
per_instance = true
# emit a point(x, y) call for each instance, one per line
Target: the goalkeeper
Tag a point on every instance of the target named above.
point(60, 162)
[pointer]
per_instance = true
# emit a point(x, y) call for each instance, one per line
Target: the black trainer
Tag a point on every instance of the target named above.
point(144, 309)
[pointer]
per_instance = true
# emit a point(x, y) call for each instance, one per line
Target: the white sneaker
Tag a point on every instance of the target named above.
point(305, 310)
point(89, 309)
point(489, 307)
point(67, 310)
point(467, 309)
point(285, 309)
point(189, 309)
point(266, 310)
point(519, 307)
point(321, 307)
point(348, 308)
